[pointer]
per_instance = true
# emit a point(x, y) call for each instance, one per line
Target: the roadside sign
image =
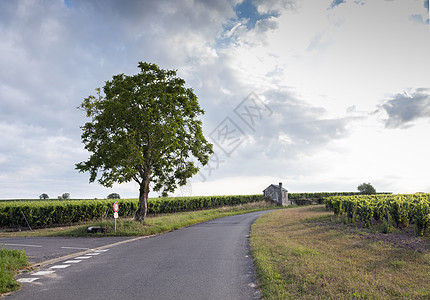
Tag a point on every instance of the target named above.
point(115, 214)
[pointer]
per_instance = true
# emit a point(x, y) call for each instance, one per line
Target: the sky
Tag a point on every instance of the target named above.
point(320, 95)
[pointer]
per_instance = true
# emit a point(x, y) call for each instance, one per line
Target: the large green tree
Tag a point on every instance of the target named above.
point(366, 188)
point(145, 128)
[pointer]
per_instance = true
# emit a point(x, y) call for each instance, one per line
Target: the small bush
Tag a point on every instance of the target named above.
point(387, 227)
point(10, 262)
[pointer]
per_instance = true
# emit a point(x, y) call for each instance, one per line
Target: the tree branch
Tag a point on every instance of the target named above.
point(136, 179)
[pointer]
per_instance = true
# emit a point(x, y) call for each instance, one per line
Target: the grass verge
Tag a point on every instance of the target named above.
point(11, 261)
point(152, 224)
point(299, 258)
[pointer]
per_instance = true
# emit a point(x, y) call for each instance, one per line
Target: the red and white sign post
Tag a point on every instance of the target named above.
point(115, 212)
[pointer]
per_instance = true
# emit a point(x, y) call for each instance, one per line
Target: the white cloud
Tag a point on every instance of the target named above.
point(354, 53)
point(403, 109)
point(307, 62)
point(275, 6)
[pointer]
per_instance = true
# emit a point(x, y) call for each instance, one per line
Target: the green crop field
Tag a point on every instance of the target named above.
point(42, 213)
point(398, 210)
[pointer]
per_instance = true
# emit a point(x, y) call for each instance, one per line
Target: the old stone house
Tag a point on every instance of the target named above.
point(277, 193)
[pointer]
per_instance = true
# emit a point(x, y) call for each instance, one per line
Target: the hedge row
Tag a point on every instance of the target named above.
point(46, 213)
point(401, 210)
point(309, 198)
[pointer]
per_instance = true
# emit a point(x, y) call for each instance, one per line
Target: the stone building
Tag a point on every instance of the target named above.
point(277, 193)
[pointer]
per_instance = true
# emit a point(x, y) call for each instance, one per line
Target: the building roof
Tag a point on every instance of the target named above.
point(275, 186)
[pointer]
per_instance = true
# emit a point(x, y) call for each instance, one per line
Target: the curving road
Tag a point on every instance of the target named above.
point(205, 261)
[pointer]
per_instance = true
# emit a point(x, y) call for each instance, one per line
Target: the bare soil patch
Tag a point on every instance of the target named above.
point(402, 238)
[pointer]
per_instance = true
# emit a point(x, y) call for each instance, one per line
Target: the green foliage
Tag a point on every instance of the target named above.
point(422, 216)
point(303, 201)
point(351, 208)
point(318, 197)
point(47, 213)
point(397, 264)
point(366, 189)
point(387, 227)
point(44, 196)
point(114, 196)
point(144, 128)
point(10, 262)
point(365, 211)
point(402, 210)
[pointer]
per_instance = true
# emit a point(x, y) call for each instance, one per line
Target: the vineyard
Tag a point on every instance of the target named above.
point(398, 210)
point(318, 197)
point(43, 213)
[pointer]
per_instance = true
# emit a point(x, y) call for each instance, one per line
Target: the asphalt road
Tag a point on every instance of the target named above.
point(205, 261)
point(39, 249)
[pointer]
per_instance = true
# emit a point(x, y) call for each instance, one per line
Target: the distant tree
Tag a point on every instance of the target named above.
point(113, 196)
point(366, 188)
point(65, 196)
point(44, 196)
point(145, 128)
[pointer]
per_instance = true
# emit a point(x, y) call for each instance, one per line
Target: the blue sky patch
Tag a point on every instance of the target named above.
point(68, 3)
point(336, 3)
point(247, 10)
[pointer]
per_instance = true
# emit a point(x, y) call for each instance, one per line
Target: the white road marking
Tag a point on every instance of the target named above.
point(27, 279)
point(41, 273)
point(77, 248)
point(23, 245)
point(65, 264)
point(59, 266)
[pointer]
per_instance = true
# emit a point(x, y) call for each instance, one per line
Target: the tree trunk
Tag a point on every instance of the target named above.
point(143, 201)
